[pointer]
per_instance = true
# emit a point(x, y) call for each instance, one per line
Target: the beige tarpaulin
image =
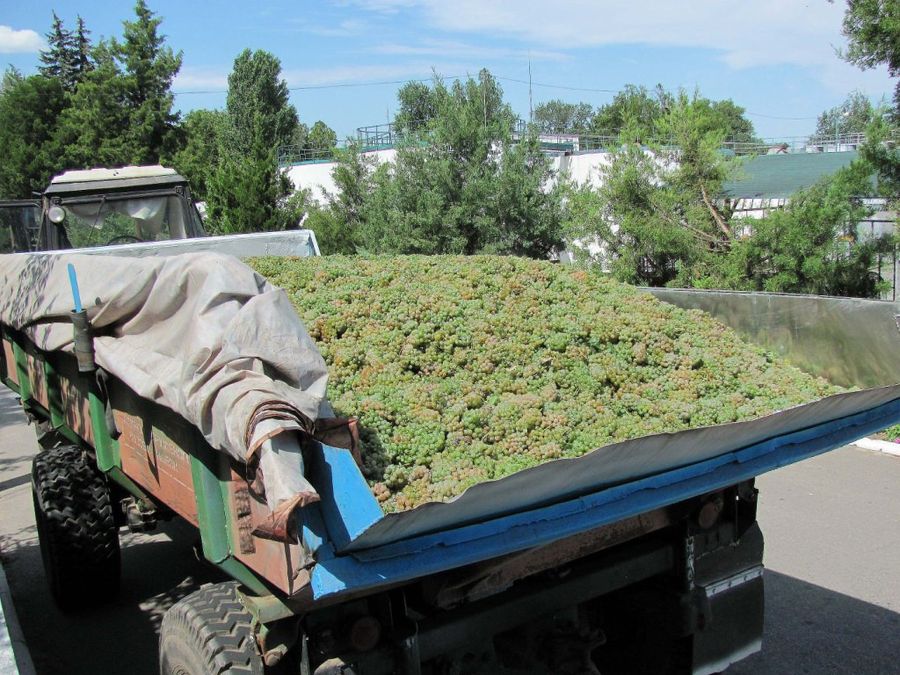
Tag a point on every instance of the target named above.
point(201, 334)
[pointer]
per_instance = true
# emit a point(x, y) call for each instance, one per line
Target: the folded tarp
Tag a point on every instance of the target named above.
point(201, 334)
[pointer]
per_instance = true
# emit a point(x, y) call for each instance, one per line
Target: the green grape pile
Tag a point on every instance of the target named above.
point(467, 369)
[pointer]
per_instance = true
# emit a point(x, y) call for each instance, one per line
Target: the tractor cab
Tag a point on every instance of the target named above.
point(107, 207)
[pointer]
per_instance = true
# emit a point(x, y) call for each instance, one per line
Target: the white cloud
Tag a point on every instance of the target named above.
point(746, 34)
point(216, 80)
point(200, 79)
point(348, 28)
point(349, 74)
point(382, 6)
point(465, 50)
point(23, 41)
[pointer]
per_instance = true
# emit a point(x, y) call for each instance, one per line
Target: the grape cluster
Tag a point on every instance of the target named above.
point(467, 369)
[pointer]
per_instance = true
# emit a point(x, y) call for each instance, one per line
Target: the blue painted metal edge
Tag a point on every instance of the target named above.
point(429, 554)
point(347, 504)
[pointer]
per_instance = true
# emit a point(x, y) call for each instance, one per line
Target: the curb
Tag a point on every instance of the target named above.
point(886, 447)
point(15, 658)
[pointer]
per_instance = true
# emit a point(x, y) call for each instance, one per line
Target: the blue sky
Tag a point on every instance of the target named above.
point(776, 58)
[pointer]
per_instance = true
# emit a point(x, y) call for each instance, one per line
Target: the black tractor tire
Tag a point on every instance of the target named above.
point(208, 633)
point(76, 527)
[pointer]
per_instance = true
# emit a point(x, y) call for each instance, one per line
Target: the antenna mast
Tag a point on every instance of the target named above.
point(530, 106)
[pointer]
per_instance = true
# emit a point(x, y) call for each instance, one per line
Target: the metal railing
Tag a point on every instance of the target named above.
point(387, 135)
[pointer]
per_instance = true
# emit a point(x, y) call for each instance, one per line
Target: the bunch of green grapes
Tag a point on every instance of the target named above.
point(467, 369)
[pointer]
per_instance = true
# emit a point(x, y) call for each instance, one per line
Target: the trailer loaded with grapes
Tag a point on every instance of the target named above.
point(429, 464)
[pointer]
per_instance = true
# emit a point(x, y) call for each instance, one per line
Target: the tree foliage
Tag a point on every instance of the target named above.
point(852, 116)
point(67, 57)
point(655, 215)
point(29, 109)
point(258, 104)
point(322, 140)
point(417, 107)
point(812, 245)
point(559, 117)
point(467, 189)
point(121, 111)
point(246, 187)
point(198, 151)
point(656, 219)
point(873, 30)
point(634, 108)
point(148, 68)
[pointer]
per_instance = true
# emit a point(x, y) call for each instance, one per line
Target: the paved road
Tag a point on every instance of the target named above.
point(832, 527)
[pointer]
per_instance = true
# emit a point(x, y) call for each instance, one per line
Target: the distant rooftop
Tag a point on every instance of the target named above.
point(780, 176)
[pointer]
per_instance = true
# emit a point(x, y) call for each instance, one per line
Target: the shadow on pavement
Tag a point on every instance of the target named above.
point(811, 629)
point(120, 637)
point(10, 409)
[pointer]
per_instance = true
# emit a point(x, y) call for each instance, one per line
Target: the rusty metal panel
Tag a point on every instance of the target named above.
point(9, 362)
point(35, 367)
point(280, 563)
point(73, 395)
point(156, 463)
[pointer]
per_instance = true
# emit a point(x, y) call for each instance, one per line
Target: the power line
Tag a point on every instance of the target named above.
point(379, 83)
point(557, 86)
point(338, 85)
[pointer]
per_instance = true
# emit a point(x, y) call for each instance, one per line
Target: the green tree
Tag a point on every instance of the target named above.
point(655, 216)
point(728, 116)
point(82, 50)
point(68, 55)
point(469, 189)
point(11, 77)
point(29, 110)
point(244, 193)
point(812, 245)
point(198, 155)
point(635, 108)
point(121, 111)
point(247, 187)
point(93, 129)
point(873, 30)
point(258, 104)
point(852, 116)
point(322, 140)
point(60, 57)
point(148, 69)
point(417, 107)
point(558, 117)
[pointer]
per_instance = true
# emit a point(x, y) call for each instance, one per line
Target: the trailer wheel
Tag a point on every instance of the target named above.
point(207, 633)
point(76, 528)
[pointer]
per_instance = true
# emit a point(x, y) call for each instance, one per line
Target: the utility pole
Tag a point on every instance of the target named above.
point(530, 106)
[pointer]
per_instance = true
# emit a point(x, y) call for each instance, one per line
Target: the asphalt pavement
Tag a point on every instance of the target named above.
point(832, 527)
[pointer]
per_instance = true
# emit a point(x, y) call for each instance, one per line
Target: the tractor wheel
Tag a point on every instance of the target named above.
point(76, 528)
point(207, 633)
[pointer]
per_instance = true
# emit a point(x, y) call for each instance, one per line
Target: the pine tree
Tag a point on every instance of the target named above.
point(149, 67)
point(121, 112)
point(82, 50)
point(59, 57)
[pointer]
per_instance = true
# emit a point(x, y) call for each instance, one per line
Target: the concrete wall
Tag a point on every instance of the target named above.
point(317, 177)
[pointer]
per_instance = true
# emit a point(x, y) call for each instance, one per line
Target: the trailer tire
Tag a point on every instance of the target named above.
point(76, 527)
point(207, 633)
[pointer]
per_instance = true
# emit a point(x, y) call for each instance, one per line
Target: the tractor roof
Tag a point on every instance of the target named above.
point(123, 178)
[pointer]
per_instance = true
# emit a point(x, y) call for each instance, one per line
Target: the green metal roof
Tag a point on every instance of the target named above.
point(779, 176)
